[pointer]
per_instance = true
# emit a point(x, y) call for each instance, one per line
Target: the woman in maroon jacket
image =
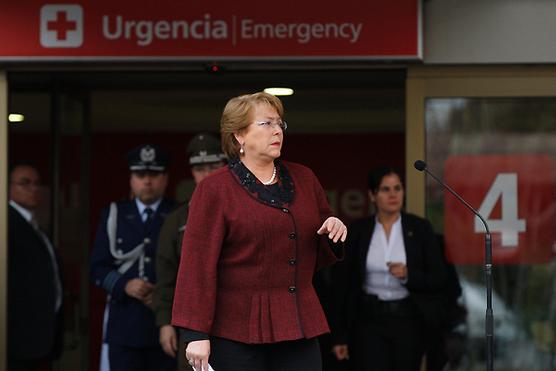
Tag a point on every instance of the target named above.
point(257, 231)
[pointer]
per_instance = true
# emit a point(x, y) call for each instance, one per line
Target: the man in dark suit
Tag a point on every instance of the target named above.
point(34, 279)
point(123, 264)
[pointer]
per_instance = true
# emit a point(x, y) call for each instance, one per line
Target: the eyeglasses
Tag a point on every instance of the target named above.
point(27, 184)
point(269, 124)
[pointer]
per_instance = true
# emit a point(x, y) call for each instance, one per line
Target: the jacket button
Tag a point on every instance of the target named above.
point(291, 289)
point(147, 259)
point(291, 262)
point(292, 236)
point(285, 210)
point(147, 240)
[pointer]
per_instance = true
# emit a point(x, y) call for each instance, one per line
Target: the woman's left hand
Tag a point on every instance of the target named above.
point(335, 228)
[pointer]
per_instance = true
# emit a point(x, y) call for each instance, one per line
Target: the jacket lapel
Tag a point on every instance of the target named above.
point(364, 243)
point(26, 226)
point(408, 241)
point(130, 213)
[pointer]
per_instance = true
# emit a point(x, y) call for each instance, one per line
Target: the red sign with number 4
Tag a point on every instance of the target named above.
point(514, 194)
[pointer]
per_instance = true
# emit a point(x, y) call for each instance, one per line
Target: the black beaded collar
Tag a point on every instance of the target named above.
point(278, 195)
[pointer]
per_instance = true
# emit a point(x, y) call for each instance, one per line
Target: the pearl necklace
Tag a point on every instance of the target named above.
point(271, 178)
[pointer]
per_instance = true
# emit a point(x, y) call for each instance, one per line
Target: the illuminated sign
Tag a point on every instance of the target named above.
point(169, 29)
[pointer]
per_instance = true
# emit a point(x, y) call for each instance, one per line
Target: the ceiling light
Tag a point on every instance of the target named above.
point(279, 91)
point(16, 117)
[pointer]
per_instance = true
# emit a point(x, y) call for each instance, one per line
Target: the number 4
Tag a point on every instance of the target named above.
point(505, 186)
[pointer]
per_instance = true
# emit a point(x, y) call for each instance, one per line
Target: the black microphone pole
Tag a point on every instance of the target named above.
point(489, 320)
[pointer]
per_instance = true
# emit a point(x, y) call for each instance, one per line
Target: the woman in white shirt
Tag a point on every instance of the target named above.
point(389, 288)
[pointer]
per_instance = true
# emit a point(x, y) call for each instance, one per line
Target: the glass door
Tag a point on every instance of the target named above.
point(490, 133)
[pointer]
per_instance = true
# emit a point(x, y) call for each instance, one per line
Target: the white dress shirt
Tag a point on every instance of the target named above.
point(382, 250)
point(29, 217)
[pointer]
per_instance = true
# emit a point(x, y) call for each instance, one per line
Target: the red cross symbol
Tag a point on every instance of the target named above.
point(61, 25)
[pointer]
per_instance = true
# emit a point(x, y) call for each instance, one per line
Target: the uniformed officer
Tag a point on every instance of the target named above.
point(123, 263)
point(205, 156)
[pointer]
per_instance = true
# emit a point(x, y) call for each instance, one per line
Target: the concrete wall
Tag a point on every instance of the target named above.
point(489, 31)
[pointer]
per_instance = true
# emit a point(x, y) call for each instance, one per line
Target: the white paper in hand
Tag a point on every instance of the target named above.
point(209, 369)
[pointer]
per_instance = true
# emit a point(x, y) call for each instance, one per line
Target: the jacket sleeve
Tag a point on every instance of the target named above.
point(104, 272)
point(196, 286)
point(329, 252)
point(167, 263)
point(431, 276)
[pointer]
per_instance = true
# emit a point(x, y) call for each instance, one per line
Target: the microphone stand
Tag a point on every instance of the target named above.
point(489, 319)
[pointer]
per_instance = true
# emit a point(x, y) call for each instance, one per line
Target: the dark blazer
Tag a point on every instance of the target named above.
point(425, 268)
point(130, 322)
point(247, 264)
point(34, 328)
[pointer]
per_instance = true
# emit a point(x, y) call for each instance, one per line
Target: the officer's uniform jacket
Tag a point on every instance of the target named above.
point(248, 260)
point(130, 322)
point(167, 263)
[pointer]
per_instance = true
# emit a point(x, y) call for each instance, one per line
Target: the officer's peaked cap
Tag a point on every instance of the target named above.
point(205, 148)
point(147, 157)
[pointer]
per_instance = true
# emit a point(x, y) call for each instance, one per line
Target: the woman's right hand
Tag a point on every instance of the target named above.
point(168, 340)
point(197, 354)
point(341, 352)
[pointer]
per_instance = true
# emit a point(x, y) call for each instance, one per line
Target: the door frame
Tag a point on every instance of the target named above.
point(425, 82)
point(3, 219)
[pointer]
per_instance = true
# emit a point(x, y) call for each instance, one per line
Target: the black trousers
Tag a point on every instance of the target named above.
point(389, 337)
point(296, 355)
point(15, 364)
point(124, 358)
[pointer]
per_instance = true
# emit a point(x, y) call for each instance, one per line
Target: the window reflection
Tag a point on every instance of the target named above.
point(511, 129)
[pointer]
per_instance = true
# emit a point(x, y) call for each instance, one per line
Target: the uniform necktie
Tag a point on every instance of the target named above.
point(149, 213)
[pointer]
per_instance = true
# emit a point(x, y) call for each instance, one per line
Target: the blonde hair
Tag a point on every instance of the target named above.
point(237, 115)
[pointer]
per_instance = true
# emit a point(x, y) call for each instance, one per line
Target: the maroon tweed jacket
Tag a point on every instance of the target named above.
point(247, 265)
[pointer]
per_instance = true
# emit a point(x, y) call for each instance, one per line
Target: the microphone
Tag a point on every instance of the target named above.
point(489, 320)
point(422, 166)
